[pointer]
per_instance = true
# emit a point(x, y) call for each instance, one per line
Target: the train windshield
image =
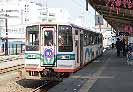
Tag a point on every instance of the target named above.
point(48, 38)
point(32, 38)
point(65, 42)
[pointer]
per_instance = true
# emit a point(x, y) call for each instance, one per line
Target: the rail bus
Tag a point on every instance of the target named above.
point(57, 49)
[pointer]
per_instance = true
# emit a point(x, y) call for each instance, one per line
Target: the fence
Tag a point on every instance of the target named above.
point(14, 49)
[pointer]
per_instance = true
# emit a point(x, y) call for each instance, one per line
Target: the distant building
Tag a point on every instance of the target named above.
point(16, 31)
point(21, 13)
point(109, 36)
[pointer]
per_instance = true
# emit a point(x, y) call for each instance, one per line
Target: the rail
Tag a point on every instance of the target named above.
point(12, 68)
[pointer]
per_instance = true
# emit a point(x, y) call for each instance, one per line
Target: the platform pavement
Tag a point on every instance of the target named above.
point(108, 73)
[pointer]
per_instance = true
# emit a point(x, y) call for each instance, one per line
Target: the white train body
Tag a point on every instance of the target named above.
point(59, 48)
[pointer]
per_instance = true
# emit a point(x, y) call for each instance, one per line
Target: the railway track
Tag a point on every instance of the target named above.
point(45, 86)
point(9, 69)
point(38, 88)
point(9, 59)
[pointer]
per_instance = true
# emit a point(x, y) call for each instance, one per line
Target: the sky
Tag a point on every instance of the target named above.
point(76, 8)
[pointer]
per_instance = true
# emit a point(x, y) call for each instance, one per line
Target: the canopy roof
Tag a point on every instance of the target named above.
point(118, 13)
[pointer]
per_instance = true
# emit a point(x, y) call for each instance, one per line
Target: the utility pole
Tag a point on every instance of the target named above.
point(6, 43)
point(6, 31)
point(46, 11)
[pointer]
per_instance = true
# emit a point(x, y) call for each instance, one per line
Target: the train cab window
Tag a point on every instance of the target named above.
point(65, 41)
point(32, 38)
point(48, 38)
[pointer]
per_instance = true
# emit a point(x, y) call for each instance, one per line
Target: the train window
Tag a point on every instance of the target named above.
point(95, 39)
point(48, 38)
point(87, 42)
point(85, 38)
point(65, 41)
point(76, 32)
point(32, 38)
point(100, 38)
point(76, 38)
point(92, 39)
point(89, 39)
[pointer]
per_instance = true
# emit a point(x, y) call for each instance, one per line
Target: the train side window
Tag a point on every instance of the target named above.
point(89, 38)
point(101, 39)
point(92, 39)
point(65, 40)
point(98, 39)
point(85, 38)
point(95, 40)
point(76, 34)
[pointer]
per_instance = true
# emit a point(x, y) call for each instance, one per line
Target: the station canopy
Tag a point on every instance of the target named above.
point(118, 13)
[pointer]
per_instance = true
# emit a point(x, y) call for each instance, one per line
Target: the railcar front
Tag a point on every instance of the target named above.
point(49, 50)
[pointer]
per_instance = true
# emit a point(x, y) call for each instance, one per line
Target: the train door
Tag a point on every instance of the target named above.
point(49, 46)
point(77, 50)
point(81, 48)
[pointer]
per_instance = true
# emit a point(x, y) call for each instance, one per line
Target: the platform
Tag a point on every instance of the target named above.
point(108, 73)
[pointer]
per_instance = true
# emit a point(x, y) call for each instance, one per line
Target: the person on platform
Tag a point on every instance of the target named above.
point(123, 47)
point(118, 46)
point(112, 45)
